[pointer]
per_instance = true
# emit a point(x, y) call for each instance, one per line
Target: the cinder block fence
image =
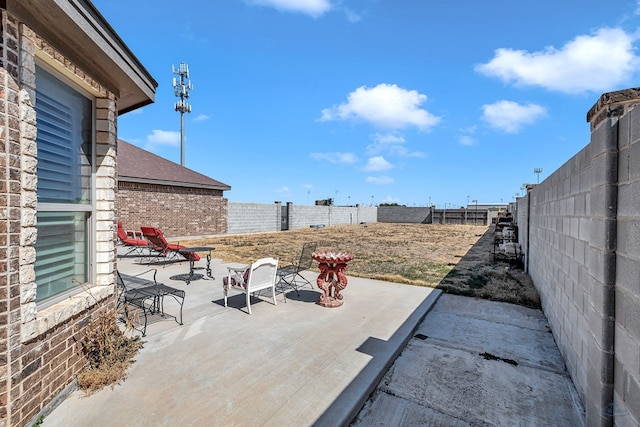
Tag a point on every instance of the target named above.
point(580, 229)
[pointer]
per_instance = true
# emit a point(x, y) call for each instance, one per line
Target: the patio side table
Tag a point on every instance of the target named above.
point(191, 275)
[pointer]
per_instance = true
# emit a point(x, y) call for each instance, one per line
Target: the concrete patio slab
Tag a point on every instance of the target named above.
point(294, 363)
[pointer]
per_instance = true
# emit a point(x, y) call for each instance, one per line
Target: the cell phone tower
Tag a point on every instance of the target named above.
point(181, 90)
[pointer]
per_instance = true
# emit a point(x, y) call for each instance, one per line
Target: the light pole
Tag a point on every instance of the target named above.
point(466, 208)
point(181, 89)
point(475, 217)
point(308, 197)
point(371, 200)
point(537, 171)
point(444, 214)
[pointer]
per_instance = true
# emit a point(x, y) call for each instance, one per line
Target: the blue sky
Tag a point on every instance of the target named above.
point(376, 101)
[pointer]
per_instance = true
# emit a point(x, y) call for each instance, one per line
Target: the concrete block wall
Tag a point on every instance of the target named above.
point(520, 212)
point(403, 214)
point(367, 214)
point(559, 259)
point(265, 217)
point(347, 215)
point(580, 229)
point(253, 217)
point(303, 216)
point(627, 285)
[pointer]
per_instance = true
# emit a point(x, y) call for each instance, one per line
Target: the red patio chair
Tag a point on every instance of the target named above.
point(159, 243)
point(131, 240)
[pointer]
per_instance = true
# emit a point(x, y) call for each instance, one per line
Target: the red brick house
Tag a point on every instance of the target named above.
point(157, 192)
point(65, 77)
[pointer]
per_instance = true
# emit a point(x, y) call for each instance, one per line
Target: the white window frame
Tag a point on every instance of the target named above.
point(88, 208)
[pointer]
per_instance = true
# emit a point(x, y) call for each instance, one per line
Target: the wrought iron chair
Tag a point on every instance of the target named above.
point(289, 275)
point(252, 278)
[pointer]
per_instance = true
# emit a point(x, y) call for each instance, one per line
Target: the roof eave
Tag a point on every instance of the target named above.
point(79, 32)
point(173, 183)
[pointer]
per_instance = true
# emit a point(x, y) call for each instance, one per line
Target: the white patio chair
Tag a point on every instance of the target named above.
point(252, 278)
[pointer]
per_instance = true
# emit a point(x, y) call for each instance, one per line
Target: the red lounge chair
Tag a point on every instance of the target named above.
point(130, 240)
point(159, 243)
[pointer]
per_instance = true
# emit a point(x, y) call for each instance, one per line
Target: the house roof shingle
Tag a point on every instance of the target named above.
point(138, 165)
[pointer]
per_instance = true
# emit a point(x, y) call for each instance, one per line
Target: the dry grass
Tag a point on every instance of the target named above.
point(417, 254)
point(109, 353)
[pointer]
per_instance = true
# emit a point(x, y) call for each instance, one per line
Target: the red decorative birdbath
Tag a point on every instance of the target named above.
point(331, 280)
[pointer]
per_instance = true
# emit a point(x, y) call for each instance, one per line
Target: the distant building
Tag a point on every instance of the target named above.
point(492, 210)
point(157, 192)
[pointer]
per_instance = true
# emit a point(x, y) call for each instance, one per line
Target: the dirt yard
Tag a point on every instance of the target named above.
point(455, 258)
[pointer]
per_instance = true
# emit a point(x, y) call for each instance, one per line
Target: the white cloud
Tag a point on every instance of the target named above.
point(284, 190)
point(510, 116)
point(201, 118)
point(598, 62)
point(385, 106)
point(467, 140)
point(377, 164)
point(385, 142)
point(379, 180)
point(314, 8)
point(352, 16)
point(163, 137)
point(336, 157)
point(391, 143)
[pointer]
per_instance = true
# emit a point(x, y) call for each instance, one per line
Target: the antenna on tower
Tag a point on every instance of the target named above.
point(537, 171)
point(181, 88)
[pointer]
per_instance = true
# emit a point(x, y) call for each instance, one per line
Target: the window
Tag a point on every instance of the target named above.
point(65, 175)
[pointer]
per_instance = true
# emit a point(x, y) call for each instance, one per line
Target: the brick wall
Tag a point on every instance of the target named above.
point(178, 211)
point(38, 345)
point(9, 229)
point(48, 365)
